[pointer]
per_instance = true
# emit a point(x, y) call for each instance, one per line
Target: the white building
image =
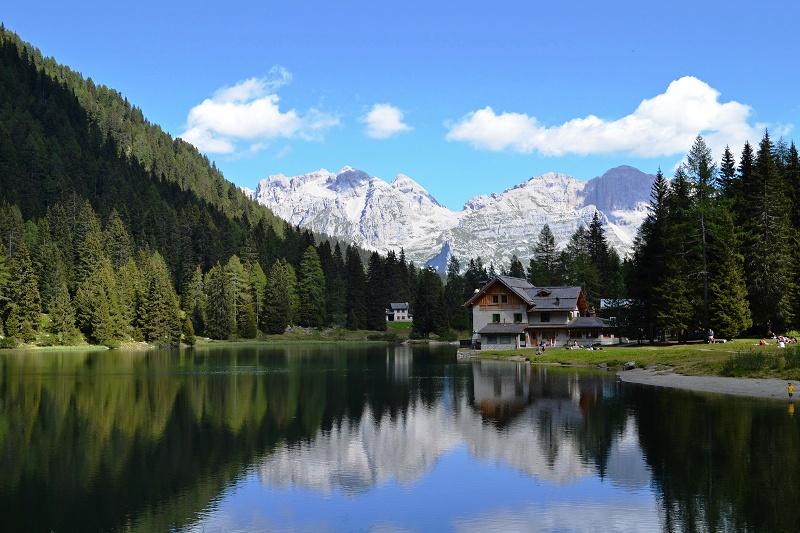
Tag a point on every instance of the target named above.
point(398, 312)
point(511, 313)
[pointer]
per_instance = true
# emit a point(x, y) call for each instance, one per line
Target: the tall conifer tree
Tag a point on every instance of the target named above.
point(311, 290)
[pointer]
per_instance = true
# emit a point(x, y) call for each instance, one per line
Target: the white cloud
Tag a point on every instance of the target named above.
point(249, 112)
point(663, 125)
point(384, 121)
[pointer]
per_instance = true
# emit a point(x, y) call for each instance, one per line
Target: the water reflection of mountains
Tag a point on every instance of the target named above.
point(510, 414)
point(97, 442)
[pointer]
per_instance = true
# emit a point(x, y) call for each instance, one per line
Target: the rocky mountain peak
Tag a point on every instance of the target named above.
point(382, 216)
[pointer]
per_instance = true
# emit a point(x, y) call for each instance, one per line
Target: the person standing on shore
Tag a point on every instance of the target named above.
point(790, 389)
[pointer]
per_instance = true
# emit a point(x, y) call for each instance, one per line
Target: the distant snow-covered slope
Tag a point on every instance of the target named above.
point(383, 216)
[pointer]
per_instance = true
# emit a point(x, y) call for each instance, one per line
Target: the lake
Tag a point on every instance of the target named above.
point(374, 438)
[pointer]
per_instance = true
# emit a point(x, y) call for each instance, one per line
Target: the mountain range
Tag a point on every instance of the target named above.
point(380, 215)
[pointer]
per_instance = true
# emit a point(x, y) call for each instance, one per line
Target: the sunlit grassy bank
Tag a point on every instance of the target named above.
point(741, 357)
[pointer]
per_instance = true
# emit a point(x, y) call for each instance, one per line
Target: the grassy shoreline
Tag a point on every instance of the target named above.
point(296, 336)
point(689, 359)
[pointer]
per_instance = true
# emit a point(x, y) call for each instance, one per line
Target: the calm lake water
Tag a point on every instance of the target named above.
point(370, 438)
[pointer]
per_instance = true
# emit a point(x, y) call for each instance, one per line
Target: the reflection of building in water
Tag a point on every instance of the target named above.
point(500, 389)
point(548, 437)
point(398, 363)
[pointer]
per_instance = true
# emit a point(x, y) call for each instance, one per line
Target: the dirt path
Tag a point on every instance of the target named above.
point(758, 388)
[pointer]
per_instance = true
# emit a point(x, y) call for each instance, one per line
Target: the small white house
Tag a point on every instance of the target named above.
point(398, 312)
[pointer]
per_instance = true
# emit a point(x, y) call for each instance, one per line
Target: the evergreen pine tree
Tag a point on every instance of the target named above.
point(543, 267)
point(244, 306)
point(131, 288)
point(276, 310)
point(23, 321)
point(728, 305)
point(160, 309)
point(336, 289)
point(768, 261)
point(674, 309)
point(62, 316)
point(291, 287)
point(193, 301)
point(597, 245)
point(311, 290)
point(5, 276)
point(746, 186)
point(258, 280)
point(378, 299)
point(516, 270)
point(356, 291)
point(188, 332)
point(454, 297)
point(727, 179)
point(220, 304)
point(702, 173)
point(97, 305)
point(429, 313)
point(89, 243)
point(117, 240)
point(48, 263)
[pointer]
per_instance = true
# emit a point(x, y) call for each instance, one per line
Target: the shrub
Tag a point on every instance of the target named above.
point(449, 336)
point(8, 343)
point(47, 340)
point(386, 337)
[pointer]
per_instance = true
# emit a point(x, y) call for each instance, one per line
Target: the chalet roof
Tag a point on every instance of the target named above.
point(553, 298)
point(398, 306)
point(518, 286)
point(494, 328)
point(542, 298)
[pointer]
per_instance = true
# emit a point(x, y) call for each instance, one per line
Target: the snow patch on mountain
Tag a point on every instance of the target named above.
point(383, 216)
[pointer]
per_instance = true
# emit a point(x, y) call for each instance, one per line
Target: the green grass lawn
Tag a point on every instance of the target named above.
point(398, 326)
point(692, 359)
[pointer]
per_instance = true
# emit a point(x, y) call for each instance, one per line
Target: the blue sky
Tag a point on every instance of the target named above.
point(471, 97)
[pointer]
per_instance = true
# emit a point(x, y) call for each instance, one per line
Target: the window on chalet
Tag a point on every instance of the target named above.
point(504, 298)
point(517, 318)
point(495, 298)
point(496, 318)
point(545, 316)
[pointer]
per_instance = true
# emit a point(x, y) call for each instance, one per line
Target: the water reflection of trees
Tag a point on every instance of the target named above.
point(146, 441)
point(102, 441)
point(720, 464)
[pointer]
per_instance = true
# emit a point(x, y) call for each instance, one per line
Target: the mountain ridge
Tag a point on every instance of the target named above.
point(387, 215)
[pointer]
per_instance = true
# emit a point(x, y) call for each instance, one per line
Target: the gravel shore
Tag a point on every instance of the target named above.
point(757, 388)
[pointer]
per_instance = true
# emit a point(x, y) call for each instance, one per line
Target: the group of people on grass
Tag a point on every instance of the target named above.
point(780, 341)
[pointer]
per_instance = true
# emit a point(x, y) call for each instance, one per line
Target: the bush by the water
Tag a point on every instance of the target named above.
point(8, 343)
point(754, 362)
point(385, 337)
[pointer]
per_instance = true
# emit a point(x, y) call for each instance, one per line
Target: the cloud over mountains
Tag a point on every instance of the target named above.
point(248, 114)
point(662, 125)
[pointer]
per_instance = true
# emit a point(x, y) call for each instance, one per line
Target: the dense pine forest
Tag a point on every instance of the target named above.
point(112, 231)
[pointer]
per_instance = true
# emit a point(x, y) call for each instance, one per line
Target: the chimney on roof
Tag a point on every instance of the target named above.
point(592, 311)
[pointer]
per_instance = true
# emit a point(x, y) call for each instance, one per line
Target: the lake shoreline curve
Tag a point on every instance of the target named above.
point(769, 388)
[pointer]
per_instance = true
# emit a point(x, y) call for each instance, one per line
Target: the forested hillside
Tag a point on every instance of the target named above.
point(115, 230)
